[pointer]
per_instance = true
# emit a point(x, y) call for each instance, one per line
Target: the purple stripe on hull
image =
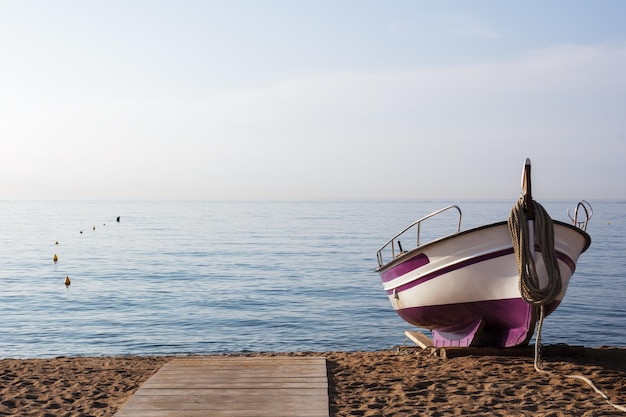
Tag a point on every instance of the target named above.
point(567, 261)
point(409, 265)
point(506, 322)
point(448, 269)
point(405, 267)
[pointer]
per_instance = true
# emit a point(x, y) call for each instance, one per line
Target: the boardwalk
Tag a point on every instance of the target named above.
point(234, 386)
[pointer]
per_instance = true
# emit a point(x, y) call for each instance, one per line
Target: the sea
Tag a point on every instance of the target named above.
point(208, 277)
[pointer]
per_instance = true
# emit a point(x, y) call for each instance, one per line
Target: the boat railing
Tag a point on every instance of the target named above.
point(394, 244)
point(588, 213)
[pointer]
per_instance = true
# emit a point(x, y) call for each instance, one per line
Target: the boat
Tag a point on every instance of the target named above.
point(489, 285)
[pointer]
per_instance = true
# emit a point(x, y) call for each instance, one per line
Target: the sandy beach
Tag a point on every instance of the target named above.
point(382, 383)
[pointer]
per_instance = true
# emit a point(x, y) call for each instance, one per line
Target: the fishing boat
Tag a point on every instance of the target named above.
point(489, 285)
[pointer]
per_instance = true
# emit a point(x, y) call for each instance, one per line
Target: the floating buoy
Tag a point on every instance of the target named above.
point(94, 228)
point(55, 258)
point(81, 232)
point(118, 219)
point(67, 281)
point(56, 243)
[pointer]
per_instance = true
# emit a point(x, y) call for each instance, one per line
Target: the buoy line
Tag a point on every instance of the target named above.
point(55, 258)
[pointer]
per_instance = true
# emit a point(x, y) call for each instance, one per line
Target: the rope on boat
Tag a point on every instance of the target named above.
point(529, 285)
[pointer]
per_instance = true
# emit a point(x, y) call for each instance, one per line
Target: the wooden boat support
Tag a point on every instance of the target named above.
point(419, 338)
point(424, 344)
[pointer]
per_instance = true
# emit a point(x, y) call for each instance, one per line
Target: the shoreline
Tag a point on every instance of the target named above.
point(373, 383)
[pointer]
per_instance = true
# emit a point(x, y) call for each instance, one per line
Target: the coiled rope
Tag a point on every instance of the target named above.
point(529, 286)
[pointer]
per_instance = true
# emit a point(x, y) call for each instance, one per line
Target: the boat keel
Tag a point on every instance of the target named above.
point(459, 336)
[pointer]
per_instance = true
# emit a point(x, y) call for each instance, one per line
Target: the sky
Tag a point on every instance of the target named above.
point(342, 99)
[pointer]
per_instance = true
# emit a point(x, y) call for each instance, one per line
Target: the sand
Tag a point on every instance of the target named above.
point(384, 383)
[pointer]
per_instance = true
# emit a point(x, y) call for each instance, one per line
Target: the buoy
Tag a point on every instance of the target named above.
point(94, 228)
point(118, 219)
point(67, 281)
point(81, 232)
point(55, 258)
point(56, 243)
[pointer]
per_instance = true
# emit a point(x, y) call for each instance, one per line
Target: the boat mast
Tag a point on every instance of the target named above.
point(527, 191)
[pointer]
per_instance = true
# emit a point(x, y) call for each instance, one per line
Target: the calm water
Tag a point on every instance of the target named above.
point(211, 277)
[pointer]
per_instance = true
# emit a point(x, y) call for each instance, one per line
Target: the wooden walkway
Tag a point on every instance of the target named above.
point(234, 386)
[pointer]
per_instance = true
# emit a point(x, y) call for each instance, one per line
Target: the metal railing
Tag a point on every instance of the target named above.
point(395, 241)
point(586, 207)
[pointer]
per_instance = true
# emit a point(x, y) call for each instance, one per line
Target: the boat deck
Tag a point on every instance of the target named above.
point(234, 386)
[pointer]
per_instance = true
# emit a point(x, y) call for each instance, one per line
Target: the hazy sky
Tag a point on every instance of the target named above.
point(311, 99)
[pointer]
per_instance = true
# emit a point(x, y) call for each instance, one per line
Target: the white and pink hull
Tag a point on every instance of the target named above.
point(465, 287)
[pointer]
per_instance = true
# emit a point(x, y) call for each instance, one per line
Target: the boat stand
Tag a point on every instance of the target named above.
point(461, 337)
point(423, 342)
point(419, 338)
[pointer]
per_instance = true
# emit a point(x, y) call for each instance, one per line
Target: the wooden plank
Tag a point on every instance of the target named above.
point(419, 338)
point(235, 361)
point(224, 413)
point(250, 392)
point(211, 397)
point(200, 403)
point(250, 373)
point(234, 386)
